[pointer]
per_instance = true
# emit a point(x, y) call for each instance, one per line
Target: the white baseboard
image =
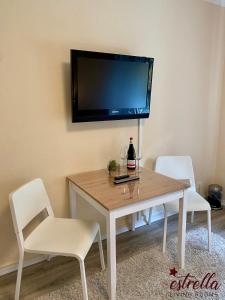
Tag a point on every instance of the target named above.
point(29, 262)
point(37, 259)
point(156, 215)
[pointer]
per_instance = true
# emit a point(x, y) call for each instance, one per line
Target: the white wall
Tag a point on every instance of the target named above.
point(37, 137)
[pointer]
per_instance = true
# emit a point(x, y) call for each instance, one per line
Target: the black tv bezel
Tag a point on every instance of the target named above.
point(107, 114)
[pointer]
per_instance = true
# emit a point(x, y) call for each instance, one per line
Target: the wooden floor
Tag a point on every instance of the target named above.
point(46, 276)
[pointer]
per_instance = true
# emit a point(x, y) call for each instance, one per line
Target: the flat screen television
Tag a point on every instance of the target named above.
point(108, 86)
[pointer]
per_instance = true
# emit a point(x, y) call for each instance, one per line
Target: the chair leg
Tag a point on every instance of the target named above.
point(19, 275)
point(83, 280)
point(100, 249)
point(49, 257)
point(138, 214)
point(150, 216)
point(165, 229)
point(144, 216)
point(209, 230)
point(192, 217)
point(133, 221)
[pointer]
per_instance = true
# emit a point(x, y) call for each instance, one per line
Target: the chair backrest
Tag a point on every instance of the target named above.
point(177, 167)
point(27, 202)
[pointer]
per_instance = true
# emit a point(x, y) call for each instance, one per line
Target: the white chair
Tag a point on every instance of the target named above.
point(53, 236)
point(180, 167)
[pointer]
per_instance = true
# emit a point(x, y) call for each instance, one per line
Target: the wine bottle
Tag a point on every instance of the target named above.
point(131, 156)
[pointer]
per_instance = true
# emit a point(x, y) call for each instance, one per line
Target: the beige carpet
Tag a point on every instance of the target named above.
point(146, 275)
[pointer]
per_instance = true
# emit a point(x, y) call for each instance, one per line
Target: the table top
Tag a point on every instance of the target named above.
point(100, 186)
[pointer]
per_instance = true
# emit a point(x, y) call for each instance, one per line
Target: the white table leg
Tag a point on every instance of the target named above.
point(73, 201)
point(111, 256)
point(182, 231)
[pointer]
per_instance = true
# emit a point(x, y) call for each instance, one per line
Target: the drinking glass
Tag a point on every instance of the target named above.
point(138, 159)
point(123, 155)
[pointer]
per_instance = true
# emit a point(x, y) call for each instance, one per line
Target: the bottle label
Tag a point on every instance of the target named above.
point(131, 164)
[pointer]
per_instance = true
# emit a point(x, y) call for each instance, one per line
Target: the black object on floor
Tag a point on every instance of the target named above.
point(215, 196)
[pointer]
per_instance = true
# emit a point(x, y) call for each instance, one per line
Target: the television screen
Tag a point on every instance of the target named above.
point(110, 86)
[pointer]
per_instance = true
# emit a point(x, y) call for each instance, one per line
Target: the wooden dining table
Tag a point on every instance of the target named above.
point(118, 200)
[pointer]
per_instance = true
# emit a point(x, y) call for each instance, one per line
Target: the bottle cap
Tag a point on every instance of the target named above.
point(131, 138)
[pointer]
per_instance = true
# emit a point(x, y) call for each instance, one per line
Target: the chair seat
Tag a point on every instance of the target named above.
point(59, 236)
point(195, 202)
